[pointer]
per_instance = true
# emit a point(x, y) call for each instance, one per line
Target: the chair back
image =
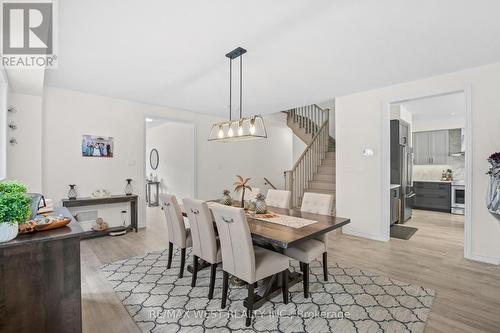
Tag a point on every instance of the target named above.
point(278, 198)
point(249, 195)
point(317, 203)
point(175, 222)
point(202, 229)
point(238, 257)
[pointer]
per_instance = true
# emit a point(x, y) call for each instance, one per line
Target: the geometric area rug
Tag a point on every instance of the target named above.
point(351, 301)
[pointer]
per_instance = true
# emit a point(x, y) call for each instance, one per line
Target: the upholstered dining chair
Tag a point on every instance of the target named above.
point(278, 198)
point(250, 195)
point(241, 259)
point(178, 234)
point(305, 252)
point(205, 245)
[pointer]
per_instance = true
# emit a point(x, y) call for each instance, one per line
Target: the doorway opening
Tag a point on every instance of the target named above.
point(170, 160)
point(429, 169)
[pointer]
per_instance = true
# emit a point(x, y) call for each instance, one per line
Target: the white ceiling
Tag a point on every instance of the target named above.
point(439, 106)
point(299, 52)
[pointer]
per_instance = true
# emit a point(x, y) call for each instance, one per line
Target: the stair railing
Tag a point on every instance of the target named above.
point(315, 120)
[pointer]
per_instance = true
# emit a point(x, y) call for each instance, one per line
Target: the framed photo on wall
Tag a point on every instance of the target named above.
point(97, 146)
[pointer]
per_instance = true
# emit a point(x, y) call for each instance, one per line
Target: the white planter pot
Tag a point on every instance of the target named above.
point(8, 231)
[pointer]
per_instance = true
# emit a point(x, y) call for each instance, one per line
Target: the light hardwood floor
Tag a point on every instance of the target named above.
point(468, 293)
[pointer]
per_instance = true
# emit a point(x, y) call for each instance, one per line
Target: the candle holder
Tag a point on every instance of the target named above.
point(128, 188)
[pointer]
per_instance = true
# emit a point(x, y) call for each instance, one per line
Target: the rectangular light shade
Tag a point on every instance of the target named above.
point(238, 130)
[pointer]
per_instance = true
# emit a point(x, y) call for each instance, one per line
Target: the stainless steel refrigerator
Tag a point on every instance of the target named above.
point(402, 166)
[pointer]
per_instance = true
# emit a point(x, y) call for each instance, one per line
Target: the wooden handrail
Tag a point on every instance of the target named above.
point(267, 182)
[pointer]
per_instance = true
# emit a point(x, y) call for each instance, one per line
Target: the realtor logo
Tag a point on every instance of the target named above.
point(28, 34)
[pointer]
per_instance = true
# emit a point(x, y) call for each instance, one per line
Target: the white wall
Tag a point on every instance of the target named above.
point(359, 179)
point(175, 143)
point(298, 147)
point(24, 161)
point(69, 114)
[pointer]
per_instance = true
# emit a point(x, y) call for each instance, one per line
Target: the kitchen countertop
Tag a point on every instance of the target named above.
point(393, 186)
point(433, 181)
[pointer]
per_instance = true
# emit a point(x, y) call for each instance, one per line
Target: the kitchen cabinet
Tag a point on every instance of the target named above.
point(431, 147)
point(433, 196)
point(395, 204)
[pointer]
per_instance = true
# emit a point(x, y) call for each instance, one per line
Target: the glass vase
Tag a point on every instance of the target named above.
point(72, 194)
point(128, 187)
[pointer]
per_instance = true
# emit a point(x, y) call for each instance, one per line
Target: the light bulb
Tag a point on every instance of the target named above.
point(221, 133)
point(230, 132)
point(240, 131)
point(252, 129)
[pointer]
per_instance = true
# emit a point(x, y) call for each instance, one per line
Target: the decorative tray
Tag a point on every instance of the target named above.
point(44, 223)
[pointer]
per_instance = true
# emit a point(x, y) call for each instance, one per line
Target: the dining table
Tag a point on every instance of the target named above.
point(278, 237)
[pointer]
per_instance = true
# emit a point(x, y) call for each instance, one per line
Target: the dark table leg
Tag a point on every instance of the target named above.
point(202, 264)
point(133, 214)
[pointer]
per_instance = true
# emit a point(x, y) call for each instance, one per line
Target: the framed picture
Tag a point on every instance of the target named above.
point(97, 146)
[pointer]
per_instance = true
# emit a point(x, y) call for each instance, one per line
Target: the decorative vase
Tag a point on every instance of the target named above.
point(128, 188)
point(493, 197)
point(260, 204)
point(72, 194)
point(8, 231)
point(226, 199)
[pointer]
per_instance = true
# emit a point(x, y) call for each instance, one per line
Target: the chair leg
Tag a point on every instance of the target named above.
point(305, 279)
point(183, 262)
point(170, 251)
point(213, 269)
point(325, 266)
point(195, 271)
point(284, 285)
point(225, 283)
point(249, 304)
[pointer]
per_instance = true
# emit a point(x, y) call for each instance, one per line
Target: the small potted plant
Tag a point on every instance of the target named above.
point(14, 209)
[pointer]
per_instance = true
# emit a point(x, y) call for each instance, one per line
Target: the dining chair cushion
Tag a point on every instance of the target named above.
point(317, 203)
point(239, 257)
point(278, 198)
point(306, 251)
point(205, 244)
point(268, 262)
point(177, 233)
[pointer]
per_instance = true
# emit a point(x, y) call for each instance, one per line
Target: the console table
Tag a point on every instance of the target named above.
point(88, 201)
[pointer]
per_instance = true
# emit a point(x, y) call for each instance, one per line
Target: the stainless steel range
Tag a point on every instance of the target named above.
point(458, 197)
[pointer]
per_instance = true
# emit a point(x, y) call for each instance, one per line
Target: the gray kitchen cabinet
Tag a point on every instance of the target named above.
point(432, 196)
point(431, 147)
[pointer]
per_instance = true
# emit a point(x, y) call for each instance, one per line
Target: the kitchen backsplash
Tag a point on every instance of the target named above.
point(433, 172)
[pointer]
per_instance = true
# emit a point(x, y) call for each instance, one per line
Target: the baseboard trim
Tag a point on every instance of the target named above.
point(482, 258)
point(362, 234)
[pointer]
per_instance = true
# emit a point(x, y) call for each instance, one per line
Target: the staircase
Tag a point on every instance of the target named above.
point(314, 171)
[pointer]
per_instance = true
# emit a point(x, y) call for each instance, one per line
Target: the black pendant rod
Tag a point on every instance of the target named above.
point(230, 85)
point(241, 80)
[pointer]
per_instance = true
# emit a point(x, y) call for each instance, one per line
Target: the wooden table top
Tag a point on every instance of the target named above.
point(284, 236)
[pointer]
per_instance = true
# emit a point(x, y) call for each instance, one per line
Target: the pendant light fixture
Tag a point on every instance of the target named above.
point(245, 128)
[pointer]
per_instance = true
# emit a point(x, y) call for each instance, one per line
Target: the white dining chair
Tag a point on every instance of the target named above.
point(205, 245)
point(250, 195)
point(178, 234)
point(242, 259)
point(278, 198)
point(307, 251)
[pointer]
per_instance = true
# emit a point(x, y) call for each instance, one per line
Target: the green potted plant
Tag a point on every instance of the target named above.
point(14, 209)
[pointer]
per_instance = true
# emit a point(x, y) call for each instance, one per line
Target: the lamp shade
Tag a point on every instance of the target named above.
point(238, 130)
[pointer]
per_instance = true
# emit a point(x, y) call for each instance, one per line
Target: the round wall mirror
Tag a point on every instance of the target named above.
point(154, 159)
